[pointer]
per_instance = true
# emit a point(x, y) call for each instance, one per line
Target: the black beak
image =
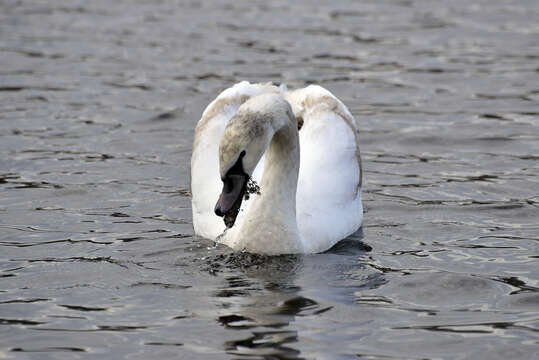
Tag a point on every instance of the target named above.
point(234, 187)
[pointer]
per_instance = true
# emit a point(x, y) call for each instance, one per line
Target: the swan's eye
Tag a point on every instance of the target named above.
point(242, 154)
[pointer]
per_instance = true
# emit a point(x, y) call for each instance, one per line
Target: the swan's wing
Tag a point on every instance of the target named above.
point(205, 179)
point(328, 201)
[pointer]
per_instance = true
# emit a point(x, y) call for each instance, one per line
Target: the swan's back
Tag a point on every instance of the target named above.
point(328, 200)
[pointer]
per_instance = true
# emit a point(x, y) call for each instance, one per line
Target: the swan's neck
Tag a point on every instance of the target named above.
point(270, 225)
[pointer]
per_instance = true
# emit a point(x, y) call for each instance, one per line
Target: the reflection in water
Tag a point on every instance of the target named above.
point(267, 344)
point(266, 295)
point(263, 299)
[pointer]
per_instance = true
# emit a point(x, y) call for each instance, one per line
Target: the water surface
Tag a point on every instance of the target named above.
point(98, 104)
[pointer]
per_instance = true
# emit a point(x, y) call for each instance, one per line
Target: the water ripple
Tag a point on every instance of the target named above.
point(99, 104)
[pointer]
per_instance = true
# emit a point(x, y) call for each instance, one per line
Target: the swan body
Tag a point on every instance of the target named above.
point(310, 180)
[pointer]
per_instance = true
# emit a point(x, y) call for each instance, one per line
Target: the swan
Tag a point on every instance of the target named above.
point(280, 190)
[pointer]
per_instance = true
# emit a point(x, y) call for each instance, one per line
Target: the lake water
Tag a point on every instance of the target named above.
point(98, 104)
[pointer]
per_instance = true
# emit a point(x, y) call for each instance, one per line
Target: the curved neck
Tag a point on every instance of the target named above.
point(270, 225)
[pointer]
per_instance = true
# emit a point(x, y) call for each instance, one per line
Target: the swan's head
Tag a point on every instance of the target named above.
point(244, 141)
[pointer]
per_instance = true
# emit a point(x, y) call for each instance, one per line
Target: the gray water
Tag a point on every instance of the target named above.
point(98, 103)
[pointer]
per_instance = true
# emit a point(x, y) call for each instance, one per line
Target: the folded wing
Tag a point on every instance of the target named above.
point(329, 186)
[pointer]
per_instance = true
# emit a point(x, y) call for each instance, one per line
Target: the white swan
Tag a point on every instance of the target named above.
point(308, 199)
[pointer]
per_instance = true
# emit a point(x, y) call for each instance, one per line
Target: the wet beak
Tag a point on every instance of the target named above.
point(229, 203)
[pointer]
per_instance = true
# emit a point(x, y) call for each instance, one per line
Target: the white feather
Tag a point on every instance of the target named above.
point(206, 182)
point(328, 196)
